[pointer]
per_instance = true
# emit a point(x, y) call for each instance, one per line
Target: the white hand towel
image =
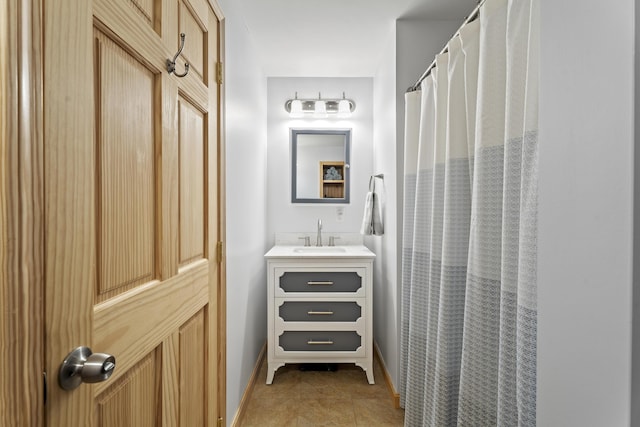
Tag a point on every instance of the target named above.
point(366, 227)
point(372, 219)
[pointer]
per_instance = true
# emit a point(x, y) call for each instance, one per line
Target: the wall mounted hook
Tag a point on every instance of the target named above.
point(171, 64)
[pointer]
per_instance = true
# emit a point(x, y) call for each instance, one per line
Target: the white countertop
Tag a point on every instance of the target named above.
point(299, 251)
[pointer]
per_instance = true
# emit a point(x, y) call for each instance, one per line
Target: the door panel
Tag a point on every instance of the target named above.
point(193, 347)
point(132, 211)
point(146, 9)
point(192, 182)
point(194, 50)
point(134, 399)
point(125, 112)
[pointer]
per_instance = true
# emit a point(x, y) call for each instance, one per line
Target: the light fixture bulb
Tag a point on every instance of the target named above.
point(344, 109)
point(296, 109)
point(320, 109)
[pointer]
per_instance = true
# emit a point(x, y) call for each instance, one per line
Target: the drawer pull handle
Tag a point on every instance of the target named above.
point(320, 313)
point(311, 342)
point(319, 283)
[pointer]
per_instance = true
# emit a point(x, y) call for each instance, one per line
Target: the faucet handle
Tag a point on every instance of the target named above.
point(307, 240)
point(332, 240)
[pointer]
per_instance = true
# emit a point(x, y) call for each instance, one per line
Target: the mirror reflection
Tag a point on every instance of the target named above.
point(320, 165)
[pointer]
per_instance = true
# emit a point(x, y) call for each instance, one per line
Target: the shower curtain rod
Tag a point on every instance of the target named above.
point(472, 16)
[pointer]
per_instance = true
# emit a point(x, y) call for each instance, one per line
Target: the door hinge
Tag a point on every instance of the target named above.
point(219, 254)
point(219, 72)
point(219, 422)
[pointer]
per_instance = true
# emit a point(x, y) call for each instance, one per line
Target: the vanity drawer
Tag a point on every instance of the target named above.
point(323, 311)
point(320, 341)
point(320, 281)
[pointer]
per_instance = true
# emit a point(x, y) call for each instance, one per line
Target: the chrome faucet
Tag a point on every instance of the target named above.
point(319, 237)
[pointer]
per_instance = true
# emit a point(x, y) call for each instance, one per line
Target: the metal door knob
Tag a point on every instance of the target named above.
point(81, 365)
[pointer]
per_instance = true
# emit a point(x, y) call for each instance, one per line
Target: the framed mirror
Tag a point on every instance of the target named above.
point(320, 165)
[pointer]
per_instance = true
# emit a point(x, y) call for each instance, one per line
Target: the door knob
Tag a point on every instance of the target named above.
point(83, 366)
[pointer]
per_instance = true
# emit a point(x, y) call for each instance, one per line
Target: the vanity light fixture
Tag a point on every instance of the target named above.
point(320, 107)
point(344, 108)
point(296, 108)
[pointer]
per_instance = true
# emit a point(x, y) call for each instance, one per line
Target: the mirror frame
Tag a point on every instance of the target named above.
point(347, 166)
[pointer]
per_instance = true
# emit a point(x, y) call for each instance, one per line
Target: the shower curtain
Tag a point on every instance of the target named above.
point(468, 341)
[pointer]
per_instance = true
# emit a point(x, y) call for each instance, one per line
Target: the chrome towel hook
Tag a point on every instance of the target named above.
point(171, 64)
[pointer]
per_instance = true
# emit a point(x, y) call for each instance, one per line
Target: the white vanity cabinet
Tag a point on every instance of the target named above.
point(319, 308)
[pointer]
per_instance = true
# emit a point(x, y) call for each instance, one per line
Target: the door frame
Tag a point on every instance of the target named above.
point(221, 298)
point(22, 212)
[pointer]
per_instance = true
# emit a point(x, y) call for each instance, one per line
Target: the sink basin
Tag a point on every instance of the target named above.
point(319, 250)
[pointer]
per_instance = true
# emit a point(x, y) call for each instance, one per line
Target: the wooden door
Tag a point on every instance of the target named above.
point(132, 209)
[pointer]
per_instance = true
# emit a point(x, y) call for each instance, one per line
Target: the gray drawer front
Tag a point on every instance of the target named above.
point(306, 311)
point(320, 341)
point(320, 281)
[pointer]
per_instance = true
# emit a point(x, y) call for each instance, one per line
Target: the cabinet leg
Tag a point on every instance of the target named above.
point(367, 367)
point(271, 371)
point(370, 376)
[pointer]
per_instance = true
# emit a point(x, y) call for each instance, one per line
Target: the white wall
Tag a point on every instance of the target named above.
point(385, 285)
point(411, 47)
point(585, 213)
point(246, 145)
point(283, 216)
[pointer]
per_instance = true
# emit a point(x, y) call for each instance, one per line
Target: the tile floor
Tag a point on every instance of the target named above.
point(313, 398)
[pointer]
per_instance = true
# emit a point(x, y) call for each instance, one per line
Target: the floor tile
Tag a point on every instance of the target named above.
point(326, 412)
point(321, 399)
point(271, 412)
point(376, 412)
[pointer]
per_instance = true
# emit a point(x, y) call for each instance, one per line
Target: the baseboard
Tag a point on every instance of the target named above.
point(244, 402)
point(395, 396)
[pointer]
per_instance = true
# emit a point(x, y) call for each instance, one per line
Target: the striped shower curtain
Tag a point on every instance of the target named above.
point(468, 342)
